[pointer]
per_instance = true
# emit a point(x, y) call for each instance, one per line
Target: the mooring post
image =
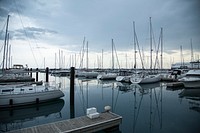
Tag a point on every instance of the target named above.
point(47, 74)
point(36, 74)
point(72, 73)
point(28, 71)
point(31, 72)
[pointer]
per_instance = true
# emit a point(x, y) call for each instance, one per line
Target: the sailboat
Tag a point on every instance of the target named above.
point(23, 94)
point(109, 75)
point(125, 76)
point(17, 95)
point(86, 73)
point(145, 78)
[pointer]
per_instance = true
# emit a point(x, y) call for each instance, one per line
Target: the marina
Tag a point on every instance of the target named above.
point(143, 107)
point(88, 67)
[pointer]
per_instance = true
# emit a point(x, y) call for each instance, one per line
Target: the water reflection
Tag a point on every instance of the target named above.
point(193, 97)
point(19, 117)
point(124, 87)
point(144, 108)
point(155, 104)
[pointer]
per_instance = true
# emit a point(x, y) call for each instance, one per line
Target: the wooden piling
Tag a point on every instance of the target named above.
point(36, 74)
point(47, 74)
point(30, 72)
point(72, 75)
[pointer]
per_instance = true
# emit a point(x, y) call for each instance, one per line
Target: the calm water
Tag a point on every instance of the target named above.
point(145, 109)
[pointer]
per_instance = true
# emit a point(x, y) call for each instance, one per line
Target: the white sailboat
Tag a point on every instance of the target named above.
point(17, 95)
point(126, 77)
point(86, 73)
point(108, 75)
point(146, 78)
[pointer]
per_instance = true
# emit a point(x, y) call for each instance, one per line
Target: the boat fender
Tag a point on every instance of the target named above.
point(37, 100)
point(107, 108)
point(11, 102)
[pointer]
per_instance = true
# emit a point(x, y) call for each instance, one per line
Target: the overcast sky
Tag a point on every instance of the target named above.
point(62, 24)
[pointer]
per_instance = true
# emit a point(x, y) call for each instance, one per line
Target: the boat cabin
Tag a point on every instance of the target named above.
point(18, 66)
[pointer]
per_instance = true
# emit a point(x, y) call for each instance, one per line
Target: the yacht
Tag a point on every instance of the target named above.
point(192, 79)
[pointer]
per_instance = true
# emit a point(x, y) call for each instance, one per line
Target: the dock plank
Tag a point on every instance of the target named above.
point(79, 124)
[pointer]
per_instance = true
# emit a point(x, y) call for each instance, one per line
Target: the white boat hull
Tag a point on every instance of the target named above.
point(123, 79)
point(87, 74)
point(109, 76)
point(90, 74)
point(145, 80)
point(190, 82)
point(25, 97)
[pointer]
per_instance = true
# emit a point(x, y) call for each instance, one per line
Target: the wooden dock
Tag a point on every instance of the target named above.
point(77, 125)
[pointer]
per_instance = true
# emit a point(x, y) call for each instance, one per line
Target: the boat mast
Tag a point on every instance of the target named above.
point(126, 62)
point(59, 59)
point(181, 55)
point(87, 55)
point(112, 55)
point(161, 49)
point(134, 46)
point(55, 60)
point(102, 59)
point(151, 50)
point(192, 56)
point(82, 54)
point(9, 63)
point(7, 43)
point(4, 51)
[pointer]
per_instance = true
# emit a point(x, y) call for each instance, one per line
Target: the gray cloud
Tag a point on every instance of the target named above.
point(32, 32)
point(9, 7)
point(102, 20)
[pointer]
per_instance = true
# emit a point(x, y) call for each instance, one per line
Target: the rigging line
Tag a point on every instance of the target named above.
point(1, 48)
point(81, 89)
point(139, 51)
point(87, 94)
point(1, 64)
point(3, 28)
point(115, 104)
point(159, 45)
point(82, 51)
point(112, 95)
point(25, 33)
point(136, 42)
point(138, 111)
point(116, 55)
point(38, 48)
point(153, 36)
point(156, 98)
point(158, 48)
